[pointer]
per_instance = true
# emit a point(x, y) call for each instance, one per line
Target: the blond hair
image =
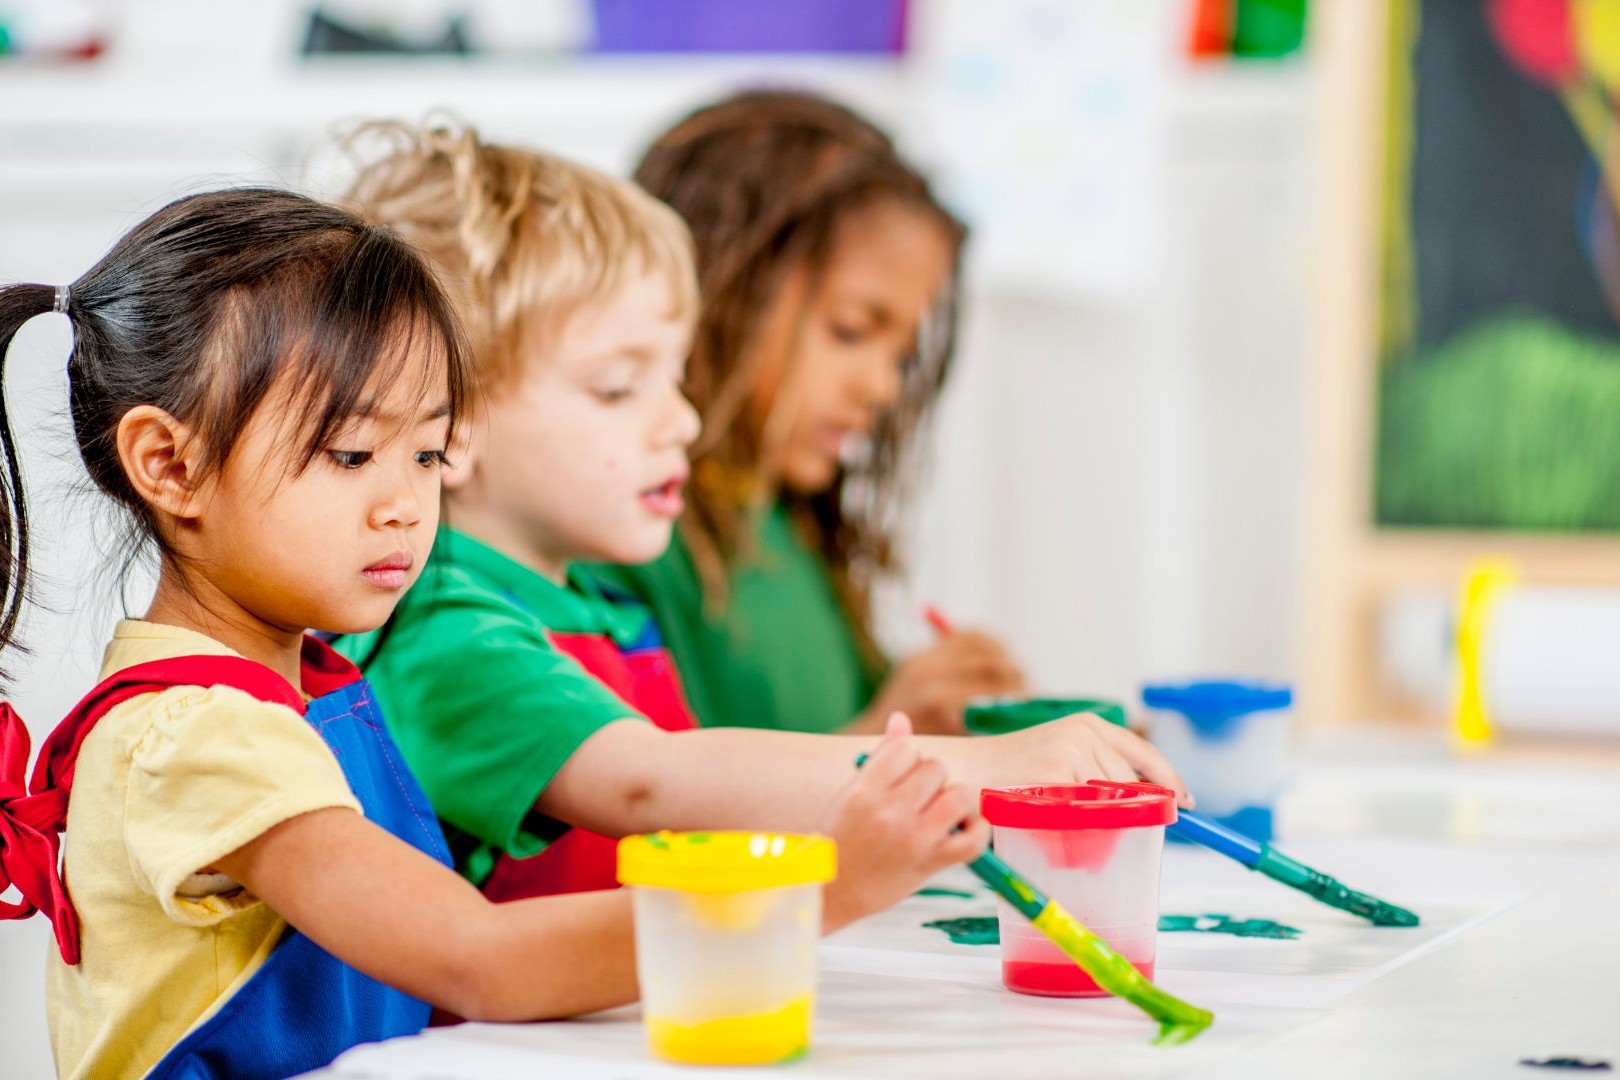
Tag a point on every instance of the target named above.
point(521, 239)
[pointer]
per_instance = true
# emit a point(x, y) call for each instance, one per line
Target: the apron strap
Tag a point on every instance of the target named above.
point(32, 817)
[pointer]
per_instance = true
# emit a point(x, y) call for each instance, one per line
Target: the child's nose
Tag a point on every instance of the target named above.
point(682, 424)
point(398, 505)
point(878, 384)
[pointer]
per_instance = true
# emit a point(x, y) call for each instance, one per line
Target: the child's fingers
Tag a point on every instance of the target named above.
point(895, 755)
point(921, 785)
point(953, 805)
point(1149, 763)
point(970, 843)
point(1113, 764)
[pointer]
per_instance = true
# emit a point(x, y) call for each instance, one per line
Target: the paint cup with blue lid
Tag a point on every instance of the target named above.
point(1228, 738)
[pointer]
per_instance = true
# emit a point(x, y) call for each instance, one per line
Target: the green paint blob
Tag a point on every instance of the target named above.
point(986, 930)
point(939, 890)
point(1225, 924)
point(969, 930)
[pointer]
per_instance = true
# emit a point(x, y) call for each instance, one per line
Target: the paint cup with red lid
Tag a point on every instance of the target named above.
point(1094, 848)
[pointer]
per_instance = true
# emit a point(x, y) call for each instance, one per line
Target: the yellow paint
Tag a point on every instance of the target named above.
point(735, 913)
point(754, 1039)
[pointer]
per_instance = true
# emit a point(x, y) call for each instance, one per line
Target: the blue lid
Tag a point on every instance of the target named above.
point(1211, 707)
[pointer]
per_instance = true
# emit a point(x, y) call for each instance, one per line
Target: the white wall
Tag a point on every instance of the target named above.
point(1117, 483)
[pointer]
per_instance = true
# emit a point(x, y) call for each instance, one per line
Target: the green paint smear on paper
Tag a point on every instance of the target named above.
point(985, 930)
point(939, 890)
point(972, 930)
point(1225, 924)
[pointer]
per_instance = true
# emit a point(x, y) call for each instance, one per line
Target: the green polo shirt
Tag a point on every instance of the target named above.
point(484, 708)
point(781, 654)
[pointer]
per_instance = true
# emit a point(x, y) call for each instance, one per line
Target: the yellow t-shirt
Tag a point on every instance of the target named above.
point(165, 785)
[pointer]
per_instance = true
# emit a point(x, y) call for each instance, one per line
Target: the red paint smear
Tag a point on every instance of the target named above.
point(1067, 979)
point(1538, 36)
point(1087, 849)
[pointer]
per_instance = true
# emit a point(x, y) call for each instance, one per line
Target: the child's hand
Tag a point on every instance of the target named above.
point(1070, 750)
point(932, 685)
point(896, 825)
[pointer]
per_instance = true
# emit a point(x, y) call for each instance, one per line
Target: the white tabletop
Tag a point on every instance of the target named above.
point(1515, 870)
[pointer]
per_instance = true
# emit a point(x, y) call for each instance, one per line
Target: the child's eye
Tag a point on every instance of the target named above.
point(426, 458)
point(611, 395)
point(349, 459)
point(848, 335)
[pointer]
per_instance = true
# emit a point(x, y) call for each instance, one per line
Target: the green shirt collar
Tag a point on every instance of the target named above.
point(583, 606)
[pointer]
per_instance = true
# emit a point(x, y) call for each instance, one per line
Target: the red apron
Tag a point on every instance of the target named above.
point(581, 860)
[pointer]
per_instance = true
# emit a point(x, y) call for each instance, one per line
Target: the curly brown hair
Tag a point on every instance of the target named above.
point(764, 178)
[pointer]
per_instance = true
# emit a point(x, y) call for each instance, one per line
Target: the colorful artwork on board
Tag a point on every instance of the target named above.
point(1499, 375)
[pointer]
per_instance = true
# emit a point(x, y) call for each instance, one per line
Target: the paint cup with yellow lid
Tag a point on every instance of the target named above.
point(726, 931)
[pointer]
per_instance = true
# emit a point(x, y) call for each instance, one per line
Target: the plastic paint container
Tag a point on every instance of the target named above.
point(999, 715)
point(1094, 848)
point(726, 930)
point(1229, 741)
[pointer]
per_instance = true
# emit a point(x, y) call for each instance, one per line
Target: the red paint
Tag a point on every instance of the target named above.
point(1084, 849)
point(1066, 979)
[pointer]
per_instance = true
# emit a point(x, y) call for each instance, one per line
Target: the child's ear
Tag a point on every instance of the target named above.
point(161, 458)
point(461, 458)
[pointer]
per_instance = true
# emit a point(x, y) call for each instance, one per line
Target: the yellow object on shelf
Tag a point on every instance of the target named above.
point(1484, 581)
point(756, 1039)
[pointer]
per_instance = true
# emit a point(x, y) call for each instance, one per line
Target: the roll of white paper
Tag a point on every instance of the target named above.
point(1551, 660)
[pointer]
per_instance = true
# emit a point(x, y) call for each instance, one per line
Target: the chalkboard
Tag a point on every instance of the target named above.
point(1499, 374)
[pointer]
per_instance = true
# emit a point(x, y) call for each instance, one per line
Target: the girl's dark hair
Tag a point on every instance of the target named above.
point(763, 179)
point(198, 310)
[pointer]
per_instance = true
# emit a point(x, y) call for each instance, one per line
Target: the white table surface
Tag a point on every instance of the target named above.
point(1514, 867)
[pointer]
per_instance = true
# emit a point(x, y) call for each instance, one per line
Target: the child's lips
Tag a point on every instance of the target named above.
point(665, 500)
point(837, 441)
point(393, 572)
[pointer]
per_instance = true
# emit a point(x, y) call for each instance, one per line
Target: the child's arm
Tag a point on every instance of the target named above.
point(395, 914)
point(630, 777)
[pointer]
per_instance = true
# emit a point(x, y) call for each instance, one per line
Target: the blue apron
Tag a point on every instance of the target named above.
point(304, 1006)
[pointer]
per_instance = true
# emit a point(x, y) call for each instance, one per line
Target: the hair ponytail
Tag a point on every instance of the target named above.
point(18, 304)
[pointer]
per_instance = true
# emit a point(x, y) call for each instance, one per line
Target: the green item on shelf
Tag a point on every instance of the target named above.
point(1268, 28)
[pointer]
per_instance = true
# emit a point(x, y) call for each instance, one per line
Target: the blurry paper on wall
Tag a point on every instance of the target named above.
point(1046, 121)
